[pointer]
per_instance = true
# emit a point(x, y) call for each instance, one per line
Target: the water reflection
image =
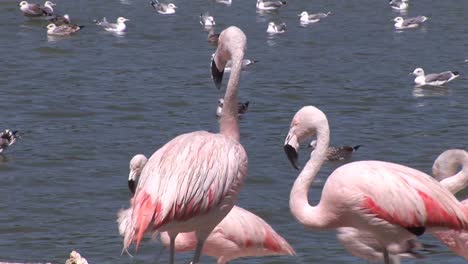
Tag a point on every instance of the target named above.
point(430, 91)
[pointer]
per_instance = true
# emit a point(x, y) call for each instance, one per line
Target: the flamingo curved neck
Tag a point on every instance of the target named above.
point(311, 216)
point(229, 122)
point(447, 167)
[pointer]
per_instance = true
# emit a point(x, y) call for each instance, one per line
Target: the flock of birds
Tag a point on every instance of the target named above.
point(187, 190)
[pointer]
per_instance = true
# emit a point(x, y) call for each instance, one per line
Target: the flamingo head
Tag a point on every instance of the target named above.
point(303, 126)
point(136, 166)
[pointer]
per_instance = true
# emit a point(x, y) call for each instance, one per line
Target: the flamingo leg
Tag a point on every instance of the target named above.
point(196, 257)
point(386, 256)
point(172, 248)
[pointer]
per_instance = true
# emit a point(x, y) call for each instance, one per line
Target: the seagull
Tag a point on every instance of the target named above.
point(8, 138)
point(337, 153)
point(411, 22)
point(245, 63)
point(34, 10)
point(269, 5)
point(48, 7)
point(399, 4)
point(276, 28)
point(242, 107)
point(206, 20)
point(60, 20)
point(113, 27)
point(62, 30)
point(165, 9)
point(226, 2)
point(212, 37)
point(434, 79)
point(312, 18)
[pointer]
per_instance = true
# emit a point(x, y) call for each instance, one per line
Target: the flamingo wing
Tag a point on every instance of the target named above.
point(406, 197)
point(248, 231)
point(187, 177)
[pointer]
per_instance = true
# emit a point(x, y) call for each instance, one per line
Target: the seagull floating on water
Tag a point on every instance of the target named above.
point(276, 28)
point(412, 22)
point(337, 153)
point(165, 9)
point(433, 79)
point(312, 18)
point(60, 20)
point(245, 63)
point(242, 107)
point(226, 2)
point(399, 4)
point(269, 5)
point(62, 30)
point(206, 20)
point(8, 138)
point(113, 27)
point(35, 10)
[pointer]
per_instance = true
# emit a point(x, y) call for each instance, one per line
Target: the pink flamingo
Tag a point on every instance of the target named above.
point(391, 201)
point(445, 170)
point(192, 182)
point(240, 234)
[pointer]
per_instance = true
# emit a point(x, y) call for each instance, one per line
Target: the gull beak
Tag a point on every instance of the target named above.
point(291, 146)
point(216, 74)
point(131, 182)
point(127, 19)
point(411, 73)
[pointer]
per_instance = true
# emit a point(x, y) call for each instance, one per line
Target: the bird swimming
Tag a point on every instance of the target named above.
point(399, 4)
point(269, 5)
point(312, 18)
point(206, 20)
point(276, 28)
point(242, 107)
point(8, 138)
point(165, 9)
point(62, 30)
point(433, 79)
point(35, 10)
point(337, 153)
point(412, 22)
point(113, 27)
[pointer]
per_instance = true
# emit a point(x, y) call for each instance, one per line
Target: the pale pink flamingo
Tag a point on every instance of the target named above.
point(391, 201)
point(240, 234)
point(445, 170)
point(192, 182)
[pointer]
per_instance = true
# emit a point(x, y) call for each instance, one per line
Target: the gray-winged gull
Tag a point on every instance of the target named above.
point(62, 30)
point(113, 27)
point(434, 79)
point(399, 4)
point(337, 153)
point(276, 28)
point(241, 107)
point(206, 20)
point(165, 9)
point(35, 10)
point(312, 18)
point(412, 22)
point(269, 5)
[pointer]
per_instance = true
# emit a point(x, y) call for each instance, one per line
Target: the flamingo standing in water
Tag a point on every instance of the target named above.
point(445, 170)
point(391, 201)
point(240, 234)
point(192, 182)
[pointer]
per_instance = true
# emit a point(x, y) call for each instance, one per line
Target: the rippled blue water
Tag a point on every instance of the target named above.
point(88, 103)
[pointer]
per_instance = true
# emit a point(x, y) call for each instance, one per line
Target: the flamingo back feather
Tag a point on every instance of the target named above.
point(187, 177)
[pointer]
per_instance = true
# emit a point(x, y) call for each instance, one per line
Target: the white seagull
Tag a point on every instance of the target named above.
point(206, 20)
point(269, 5)
point(312, 18)
point(113, 27)
point(276, 28)
point(434, 79)
point(412, 22)
point(399, 4)
point(165, 9)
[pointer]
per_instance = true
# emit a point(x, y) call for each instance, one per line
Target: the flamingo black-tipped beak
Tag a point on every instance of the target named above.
point(292, 155)
point(216, 75)
point(291, 146)
point(131, 186)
